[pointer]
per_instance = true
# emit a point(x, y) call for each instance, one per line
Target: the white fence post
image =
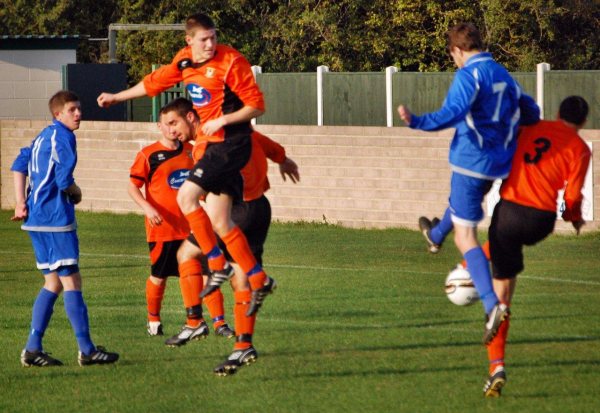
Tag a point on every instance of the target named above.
point(255, 71)
point(320, 71)
point(542, 68)
point(389, 108)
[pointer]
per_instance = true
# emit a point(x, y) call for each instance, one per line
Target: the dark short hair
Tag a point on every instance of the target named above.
point(60, 99)
point(574, 109)
point(465, 36)
point(181, 106)
point(198, 21)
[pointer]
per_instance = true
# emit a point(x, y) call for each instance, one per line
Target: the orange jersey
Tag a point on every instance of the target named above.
point(221, 85)
point(162, 171)
point(256, 182)
point(549, 154)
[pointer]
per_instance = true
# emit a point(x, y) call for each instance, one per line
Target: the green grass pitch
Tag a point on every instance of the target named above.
point(359, 323)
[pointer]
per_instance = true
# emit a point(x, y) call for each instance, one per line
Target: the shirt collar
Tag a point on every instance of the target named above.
point(478, 58)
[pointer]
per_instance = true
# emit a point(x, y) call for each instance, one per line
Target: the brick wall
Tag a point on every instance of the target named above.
point(358, 177)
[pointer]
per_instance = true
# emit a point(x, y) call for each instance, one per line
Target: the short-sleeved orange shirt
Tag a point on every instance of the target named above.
point(256, 182)
point(162, 171)
point(549, 154)
point(221, 85)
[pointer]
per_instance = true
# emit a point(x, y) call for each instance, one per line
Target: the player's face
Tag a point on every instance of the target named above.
point(70, 115)
point(176, 127)
point(203, 43)
point(164, 130)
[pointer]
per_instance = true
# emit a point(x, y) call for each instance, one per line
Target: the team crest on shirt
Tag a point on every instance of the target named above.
point(200, 96)
point(177, 178)
point(210, 72)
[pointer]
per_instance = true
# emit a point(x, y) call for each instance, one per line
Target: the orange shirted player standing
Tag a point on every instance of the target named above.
point(252, 214)
point(548, 154)
point(225, 95)
point(161, 168)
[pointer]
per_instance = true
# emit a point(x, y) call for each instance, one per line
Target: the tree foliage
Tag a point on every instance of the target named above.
point(346, 35)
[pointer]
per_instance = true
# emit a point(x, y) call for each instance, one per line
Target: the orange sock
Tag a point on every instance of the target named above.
point(486, 250)
point(496, 347)
point(190, 282)
point(154, 298)
point(240, 251)
point(244, 325)
point(214, 303)
point(204, 234)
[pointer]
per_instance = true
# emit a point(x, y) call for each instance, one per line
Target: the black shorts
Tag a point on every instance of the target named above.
point(254, 219)
point(513, 226)
point(163, 258)
point(218, 171)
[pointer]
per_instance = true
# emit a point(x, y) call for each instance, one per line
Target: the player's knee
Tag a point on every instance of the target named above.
point(183, 200)
point(187, 251)
point(222, 227)
point(53, 284)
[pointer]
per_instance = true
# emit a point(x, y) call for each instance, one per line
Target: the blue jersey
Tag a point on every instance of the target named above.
point(485, 105)
point(49, 163)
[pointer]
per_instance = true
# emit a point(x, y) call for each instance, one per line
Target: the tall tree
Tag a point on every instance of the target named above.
point(346, 35)
point(60, 17)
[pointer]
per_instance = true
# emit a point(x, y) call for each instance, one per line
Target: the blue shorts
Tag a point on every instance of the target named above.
point(466, 197)
point(56, 252)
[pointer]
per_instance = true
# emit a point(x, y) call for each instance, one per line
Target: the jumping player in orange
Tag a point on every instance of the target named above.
point(161, 168)
point(548, 154)
point(252, 214)
point(226, 97)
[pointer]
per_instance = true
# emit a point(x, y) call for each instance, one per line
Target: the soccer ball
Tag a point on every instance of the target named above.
point(460, 288)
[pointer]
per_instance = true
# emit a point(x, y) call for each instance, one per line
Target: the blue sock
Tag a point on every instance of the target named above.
point(43, 307)
point(440, 231)
point(479, 269)
point(78, 316)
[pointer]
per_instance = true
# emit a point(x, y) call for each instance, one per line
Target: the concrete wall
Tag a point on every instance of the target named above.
point(358, 177)
point(28, 78)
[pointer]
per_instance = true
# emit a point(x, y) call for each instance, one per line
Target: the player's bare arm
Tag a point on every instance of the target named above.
point(106, 100)
point(289, 168)
point(20, 181)
point(244, 114)
point(154, 217)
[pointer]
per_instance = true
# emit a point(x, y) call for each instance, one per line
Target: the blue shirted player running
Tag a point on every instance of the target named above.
point(47, 208)
point(485, 105)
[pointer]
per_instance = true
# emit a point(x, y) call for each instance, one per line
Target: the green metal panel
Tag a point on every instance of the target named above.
point(354, 99)
point(290, 98)
point(165, 97)
point(559, 84)
point(420, 92)
point(528, 82)
point(140, 110)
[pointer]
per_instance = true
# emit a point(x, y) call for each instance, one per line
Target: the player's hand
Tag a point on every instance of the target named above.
point(405, 114)
point(154, 217)
point(106, 100)
point(74, 193)
point(210, 127)
point(577, 225)
point(20, 212)
point(288, 167)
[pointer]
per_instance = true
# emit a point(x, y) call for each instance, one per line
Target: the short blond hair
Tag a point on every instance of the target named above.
point(198, 21)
